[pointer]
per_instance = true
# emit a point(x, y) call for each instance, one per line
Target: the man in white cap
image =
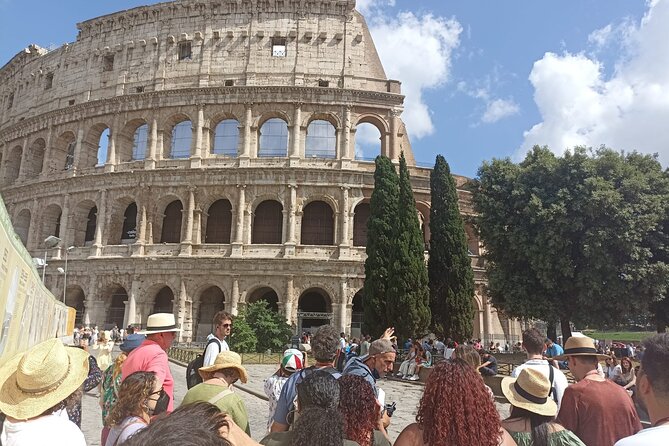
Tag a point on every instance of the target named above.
point(151, 356)
point(597, 410)
point(652, 384)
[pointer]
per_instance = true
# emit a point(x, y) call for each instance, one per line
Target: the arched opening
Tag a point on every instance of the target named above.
point(360, 218)
point(313, 310)
point(226, 138)
point(268, 223)
point(50, 221)
point(219, 222)
point(317, 224)
point(368, 144)
point(268, 295)
point(75, 298)
point(164, 302)
point(62, 153)
point(35, 161)
point(91, 223)
point(140, 142)
point(13, 165)
point(182, 134)
point(171, 232)
point(103, 148)
point(129, 229)
point(321, 140)
point(116, 311)
point(212, 300)
point(273, 138)
point(84, 223)
point(22, 226)
point(357, 314)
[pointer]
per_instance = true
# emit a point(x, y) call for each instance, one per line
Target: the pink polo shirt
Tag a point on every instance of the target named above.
point(149, 357)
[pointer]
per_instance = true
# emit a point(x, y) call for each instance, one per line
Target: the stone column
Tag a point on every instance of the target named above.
point(487, 319)
point(150, 161)
point(246, 147)
point(46, 163)
point(110, 163)
point(187, 238)
point(289, 245)
point(3, 163)
point(182, 310)
point(78, 148)
point(131, 306)
point(100, 224)
point(345, 151)
point(234, 299)
point(140, 238)
point(344, 238)
point(25, 156)
point(238, 241)
point(289, 300)
point(65, 222)
point(394, 139)
point(197, 227)
point(343, 296)
point(196, 154)
point(296, 136)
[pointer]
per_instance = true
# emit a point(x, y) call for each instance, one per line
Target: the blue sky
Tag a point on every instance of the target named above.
point(483, 79)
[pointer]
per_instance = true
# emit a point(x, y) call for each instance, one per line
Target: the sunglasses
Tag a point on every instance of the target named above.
point(227, 325)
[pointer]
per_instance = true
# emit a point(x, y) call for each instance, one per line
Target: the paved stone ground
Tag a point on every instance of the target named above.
point(406, 395)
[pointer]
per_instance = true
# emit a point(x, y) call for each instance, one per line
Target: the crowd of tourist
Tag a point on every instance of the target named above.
point(337, 401)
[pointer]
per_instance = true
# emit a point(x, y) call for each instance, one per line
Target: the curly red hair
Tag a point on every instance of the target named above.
point(357, 404)
point(456, 408)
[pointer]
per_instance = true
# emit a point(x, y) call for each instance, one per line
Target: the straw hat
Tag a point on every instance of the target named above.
point(579, 346)
point(530, 392)
point(160, 323)
point(40, 378)
point(225, 360)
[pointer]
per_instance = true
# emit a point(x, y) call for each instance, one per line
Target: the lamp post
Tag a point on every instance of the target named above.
point(50, 242)
point(64, 272)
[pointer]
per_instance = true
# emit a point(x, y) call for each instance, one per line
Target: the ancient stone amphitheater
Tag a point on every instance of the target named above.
point(198, 155)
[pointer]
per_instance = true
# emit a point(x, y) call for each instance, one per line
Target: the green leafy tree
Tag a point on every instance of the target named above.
point(380, 230)
point(243, 338)
point(270, 328)
point(408, 292)
point(449, 267)
point(568, 238)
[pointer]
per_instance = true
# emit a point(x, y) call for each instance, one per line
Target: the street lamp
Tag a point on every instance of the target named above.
point(64, 272)
point(50, 242)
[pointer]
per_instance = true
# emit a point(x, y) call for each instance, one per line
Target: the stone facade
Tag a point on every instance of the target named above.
point(200, 155)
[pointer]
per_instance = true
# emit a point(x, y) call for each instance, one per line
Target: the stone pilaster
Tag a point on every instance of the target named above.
point(238, 241)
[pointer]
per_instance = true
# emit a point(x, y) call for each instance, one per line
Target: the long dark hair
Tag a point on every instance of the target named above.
point(539, 425)
point(316, 425)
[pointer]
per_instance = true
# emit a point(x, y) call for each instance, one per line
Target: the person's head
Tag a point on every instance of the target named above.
point(342, 334)
point(131, 342)
point(118, 365)
point(381, 356)
point(227, 366)
point(611, 361)
point(319, 420)
point(137, 396)
point(468, 354)
point(533, 341)
point(549, 342)
point(452, 389)
point(43, 380)
point(130, 330)
point(625, 364)
point(653, 380)
point(196, 424)
point(103, 337)
point(324, 344)
point(358, 406)
point(222, 324)
point(582, 356)
point(161, 328)
point(291, 361)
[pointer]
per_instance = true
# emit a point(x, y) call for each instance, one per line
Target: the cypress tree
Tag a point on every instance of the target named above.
point(449, 267)
point(383, 211)
point(408, 294)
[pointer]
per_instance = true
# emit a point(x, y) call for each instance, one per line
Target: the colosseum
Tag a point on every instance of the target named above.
point(198, 155)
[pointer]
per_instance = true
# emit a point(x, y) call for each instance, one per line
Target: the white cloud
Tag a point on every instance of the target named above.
point(417, 50)
point(368, 6)
point(627, 110)
point(499, 109)
point(601, 37)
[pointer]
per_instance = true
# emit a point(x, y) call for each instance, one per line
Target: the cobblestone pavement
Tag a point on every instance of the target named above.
point(406, 395)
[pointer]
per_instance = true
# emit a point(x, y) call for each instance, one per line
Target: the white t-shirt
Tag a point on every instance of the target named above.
point(49, 429)
point(212, 350)
point(653, 436)
point(559, 380)
point(448, 353)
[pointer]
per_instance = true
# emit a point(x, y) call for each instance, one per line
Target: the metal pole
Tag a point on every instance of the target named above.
point(65, 277)
point(44, 267)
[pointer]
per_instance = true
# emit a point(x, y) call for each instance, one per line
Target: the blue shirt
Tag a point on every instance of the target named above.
point(356, 366)
point(555, 350)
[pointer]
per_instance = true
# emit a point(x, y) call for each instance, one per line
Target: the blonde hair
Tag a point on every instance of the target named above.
point(118, 364)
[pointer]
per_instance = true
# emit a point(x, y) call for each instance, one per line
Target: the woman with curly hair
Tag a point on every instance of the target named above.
point(455, 410)
point(136, 403)
point(361, 412)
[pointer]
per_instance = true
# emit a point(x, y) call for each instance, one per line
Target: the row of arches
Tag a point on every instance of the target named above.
point(178, 139)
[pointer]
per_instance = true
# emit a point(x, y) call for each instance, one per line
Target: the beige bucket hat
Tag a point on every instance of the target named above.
point(40, 378)
point(160, 323)
point(225, 360)
point(530, 391)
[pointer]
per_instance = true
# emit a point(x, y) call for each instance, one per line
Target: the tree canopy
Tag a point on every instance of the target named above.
point(573, 237)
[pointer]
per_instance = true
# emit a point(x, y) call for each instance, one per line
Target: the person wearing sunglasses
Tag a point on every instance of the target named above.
point(140, 397)
point(222, 327)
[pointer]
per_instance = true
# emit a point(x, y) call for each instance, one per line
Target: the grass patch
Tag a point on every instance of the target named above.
point(635, 336)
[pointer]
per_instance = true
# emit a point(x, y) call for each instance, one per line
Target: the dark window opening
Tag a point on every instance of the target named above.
point(185, 51)
point(91, 223)
point(362, 212)
point(268, 223)
point(219, 222)
point(129, 231)
point(278, 47)
point(322, 83)
point(108, 62)
point(70, 102)
point(48, 81)
point(139, 89)
point(229, 83)
point(172, 223)
point(10, 101)
point(317, 224)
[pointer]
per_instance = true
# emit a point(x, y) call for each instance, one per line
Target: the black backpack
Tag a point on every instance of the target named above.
point(193, 378)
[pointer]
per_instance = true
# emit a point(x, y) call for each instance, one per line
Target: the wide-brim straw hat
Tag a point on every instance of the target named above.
point(160, 323)
point(530, 391)
point(225, 360)
point(579, 346)
point(40, 378)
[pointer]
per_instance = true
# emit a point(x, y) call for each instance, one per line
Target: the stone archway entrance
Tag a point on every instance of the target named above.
point(75, 298)
point(313, 310)
point(268, 295)
point(116, 312)
point(357, 315)
point(212, 300)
